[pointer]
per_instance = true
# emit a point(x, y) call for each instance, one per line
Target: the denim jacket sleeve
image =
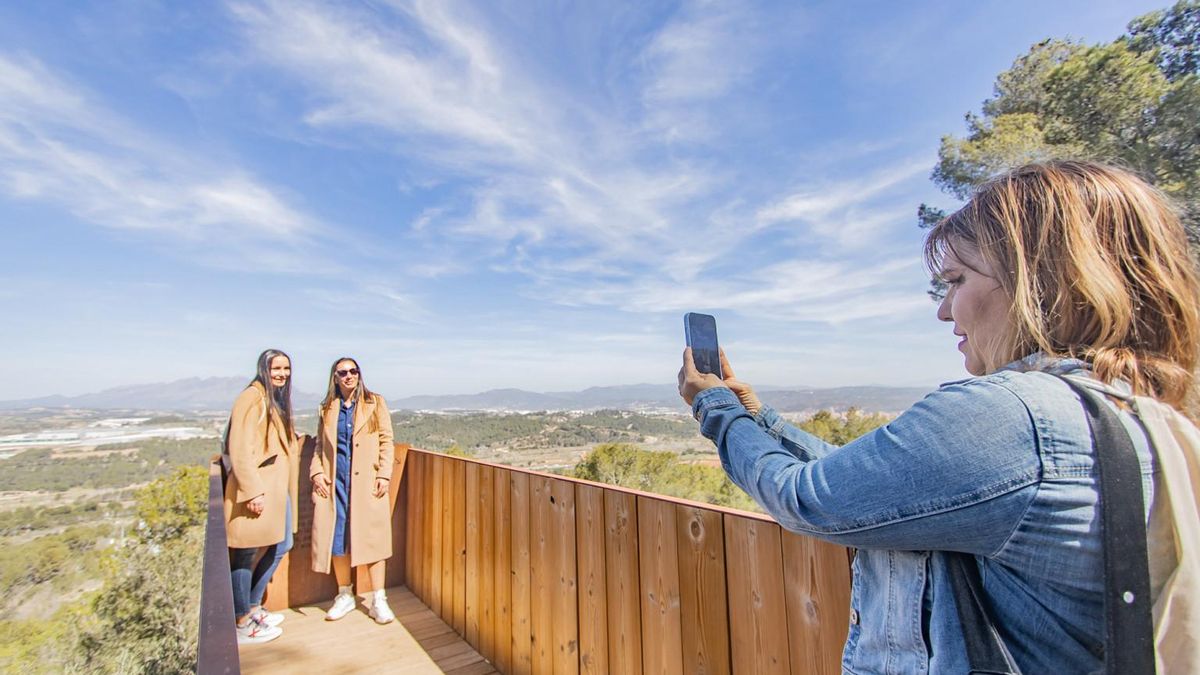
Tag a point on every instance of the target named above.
point(955, 472)
point(795, 440)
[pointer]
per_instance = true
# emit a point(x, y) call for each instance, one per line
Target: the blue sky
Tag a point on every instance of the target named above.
point(492, 194)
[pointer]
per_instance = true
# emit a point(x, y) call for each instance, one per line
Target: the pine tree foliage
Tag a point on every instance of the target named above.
point(1134, 102)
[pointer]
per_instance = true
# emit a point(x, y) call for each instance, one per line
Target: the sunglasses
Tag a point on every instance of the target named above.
point(348, 371)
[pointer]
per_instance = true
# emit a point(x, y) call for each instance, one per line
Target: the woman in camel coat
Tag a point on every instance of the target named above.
point(262, 463)
point(350, 473)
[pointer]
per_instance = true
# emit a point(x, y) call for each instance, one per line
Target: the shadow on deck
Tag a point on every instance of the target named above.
point(417, 643)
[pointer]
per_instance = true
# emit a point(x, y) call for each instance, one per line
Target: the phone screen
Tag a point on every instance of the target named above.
point(701, 333)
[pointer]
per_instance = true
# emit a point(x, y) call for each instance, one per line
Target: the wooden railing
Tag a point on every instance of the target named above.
point(545, 574)
point(217, 649)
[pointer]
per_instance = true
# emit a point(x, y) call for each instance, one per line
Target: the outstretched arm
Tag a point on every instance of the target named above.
point(955, 472)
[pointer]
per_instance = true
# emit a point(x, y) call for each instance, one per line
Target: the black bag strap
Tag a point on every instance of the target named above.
point(986, 652)
point(1129, 626)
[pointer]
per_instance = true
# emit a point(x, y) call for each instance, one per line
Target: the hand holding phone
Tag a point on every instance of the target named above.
point(700, 330)
point(709, 359)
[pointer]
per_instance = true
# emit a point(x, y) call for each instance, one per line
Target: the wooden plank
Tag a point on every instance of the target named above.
point(397, 566)
point(622, 571)
point(459, 622)
point(593, 590)
point(541, 576)
point(418, 521)
point(566, 591)
point(356, 645)
point(449, 495)
point(522, 654)
point(502, 522)
point(757, 610)
point(437, 465)
point(817, 593)
point(487, 564)
point(410, 508)
point(472, 562)
point(700, 539)
point(429, 544)
point(662, 632)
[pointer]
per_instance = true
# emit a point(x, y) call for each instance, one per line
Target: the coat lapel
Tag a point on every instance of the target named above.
point(329, 425)
point(282, 434)
point(362, 412)
point(274, 424)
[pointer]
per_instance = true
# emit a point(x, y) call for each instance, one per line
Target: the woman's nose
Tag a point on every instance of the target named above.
point(943, 310)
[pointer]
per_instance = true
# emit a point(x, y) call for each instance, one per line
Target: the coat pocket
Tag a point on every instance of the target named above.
point(268, 461)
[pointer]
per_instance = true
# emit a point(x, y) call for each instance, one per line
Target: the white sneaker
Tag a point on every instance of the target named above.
point(342, 604)
point(379, 608)
point(255, 632)
point(271, 619)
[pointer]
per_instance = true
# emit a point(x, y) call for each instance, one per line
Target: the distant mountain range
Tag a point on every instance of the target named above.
point(665, 396)
point(217, 393)
point(193, 393)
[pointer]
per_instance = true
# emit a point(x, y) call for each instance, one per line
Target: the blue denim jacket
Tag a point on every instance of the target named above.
point(999, 466)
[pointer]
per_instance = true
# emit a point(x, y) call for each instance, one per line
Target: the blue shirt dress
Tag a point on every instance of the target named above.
point(341, 476)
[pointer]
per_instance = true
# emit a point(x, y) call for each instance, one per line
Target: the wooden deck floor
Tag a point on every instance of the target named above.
point(418, 642)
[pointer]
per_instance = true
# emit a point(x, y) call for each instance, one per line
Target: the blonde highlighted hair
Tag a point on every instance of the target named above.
point(1097, 266)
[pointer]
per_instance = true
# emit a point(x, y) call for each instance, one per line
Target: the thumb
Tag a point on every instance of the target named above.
point(689, 365)
point(726, 369)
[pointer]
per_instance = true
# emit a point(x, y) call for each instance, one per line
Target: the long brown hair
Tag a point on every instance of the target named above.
point(332, 393)
point(1097, 266)
point(279, 399)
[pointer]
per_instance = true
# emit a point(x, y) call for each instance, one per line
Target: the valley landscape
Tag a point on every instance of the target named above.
point(87, 480)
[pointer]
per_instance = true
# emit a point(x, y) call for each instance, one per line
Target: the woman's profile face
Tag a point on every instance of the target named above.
point(976, 304)
point(281, 370)
point(346, 373)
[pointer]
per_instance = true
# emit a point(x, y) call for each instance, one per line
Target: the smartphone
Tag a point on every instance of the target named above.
point(701, 333)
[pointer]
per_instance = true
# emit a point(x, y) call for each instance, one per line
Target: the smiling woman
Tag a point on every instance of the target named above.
point(350, 471)
point(1077, 301)
point(262, 462)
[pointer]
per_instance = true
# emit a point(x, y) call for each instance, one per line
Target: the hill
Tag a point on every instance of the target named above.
point(193, 394)
point(665, 397)
point(217, 393)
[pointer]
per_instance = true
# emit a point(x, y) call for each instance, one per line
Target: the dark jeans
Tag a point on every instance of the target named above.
point(249, 585)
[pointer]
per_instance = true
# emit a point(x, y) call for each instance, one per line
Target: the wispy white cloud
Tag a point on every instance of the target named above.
point(60, 144)
point(583, 205)
point(801, 290)
point(701, 53)
point(369, 301)
point(853, 212)
point(544, 180)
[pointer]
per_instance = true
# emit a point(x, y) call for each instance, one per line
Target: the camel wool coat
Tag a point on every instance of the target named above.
point(262, 459)
point(370, 535)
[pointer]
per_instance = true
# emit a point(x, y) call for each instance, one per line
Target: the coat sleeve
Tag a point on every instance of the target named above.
point(245, 438)
point(387, 446)
point(315, 467)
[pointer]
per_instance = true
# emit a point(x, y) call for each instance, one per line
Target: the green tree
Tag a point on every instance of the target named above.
point(1171, 37)
point(662, 473)
point(1134, 101)
point(625, 464)
point(842, 429)
point(145, 618)
point(170, 506)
